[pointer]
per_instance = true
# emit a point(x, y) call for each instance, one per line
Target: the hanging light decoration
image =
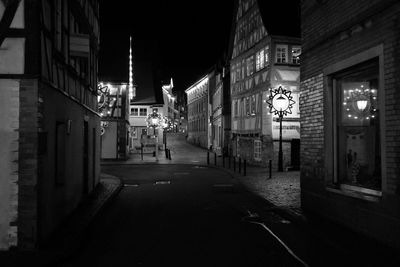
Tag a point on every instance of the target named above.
point(132, 92)
point(360, 103)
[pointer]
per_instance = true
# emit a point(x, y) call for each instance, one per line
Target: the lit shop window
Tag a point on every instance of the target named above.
point(357, 123)
point(281, 54)
point(296, 51)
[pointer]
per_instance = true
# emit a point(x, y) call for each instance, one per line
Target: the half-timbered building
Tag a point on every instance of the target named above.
point(48, 82)
point(265, 55)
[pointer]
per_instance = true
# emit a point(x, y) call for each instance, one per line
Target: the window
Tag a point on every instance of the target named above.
point(247, 105)
point(134, 111)
point(281, 53)
point(296, 51)
point(257, 150)
point(143, 112)
point(260, 60)
point(250, 65)
point(357, 126)
point(266, 56)
point(253, 105)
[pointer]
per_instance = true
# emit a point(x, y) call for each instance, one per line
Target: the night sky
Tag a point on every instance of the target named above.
point(182, 39)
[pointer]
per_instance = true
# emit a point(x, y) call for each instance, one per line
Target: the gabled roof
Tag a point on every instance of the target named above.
point(148, 88)
point(281, 17)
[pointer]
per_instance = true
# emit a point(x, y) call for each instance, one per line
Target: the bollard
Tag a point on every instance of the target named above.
point(240, 165)
point(270, 169)
point(169, 154)
point(166, 152)
point(244, 167)
point(215, 158)
point(234, 164)
point(208, 158)
point(223, 160)
point(142, 151)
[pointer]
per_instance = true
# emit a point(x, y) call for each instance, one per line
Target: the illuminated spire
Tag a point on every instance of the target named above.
point(132, 93)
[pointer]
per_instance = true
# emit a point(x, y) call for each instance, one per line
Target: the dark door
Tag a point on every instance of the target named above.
point(85, 158)
point(295, 154)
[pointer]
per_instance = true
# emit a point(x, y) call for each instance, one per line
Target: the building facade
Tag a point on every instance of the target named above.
point(170, 108)
point(114, 112)
point(220, 110)
point(349, 115)
point(264, 57)
point(198, 113)
point(48, 81)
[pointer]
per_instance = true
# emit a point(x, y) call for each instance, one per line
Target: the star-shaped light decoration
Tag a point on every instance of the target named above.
point(280, 101)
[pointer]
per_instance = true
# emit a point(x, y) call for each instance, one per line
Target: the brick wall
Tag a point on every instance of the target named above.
point(28, 168)
point(334, 32)
point(9, 133)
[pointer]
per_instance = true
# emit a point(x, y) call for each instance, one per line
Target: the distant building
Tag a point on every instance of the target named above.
point(170, 110)
point(220, 109)
point(265, 55)
point(182, 109)
point(50, 133)
point(198, 112)
point(114, 112)
point(149, 97)
point(350, 115)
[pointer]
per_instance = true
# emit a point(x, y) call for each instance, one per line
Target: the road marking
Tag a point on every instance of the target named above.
point(223, 185)
point(162, 182)
point(194, 161)
point(253, 215)
point(199, 167)
point(131, 185)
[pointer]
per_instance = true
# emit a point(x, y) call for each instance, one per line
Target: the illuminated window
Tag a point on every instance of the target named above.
point(281, 54)
point(296, 51)
point(357, 124)
point(260, 60)
point(266, 56)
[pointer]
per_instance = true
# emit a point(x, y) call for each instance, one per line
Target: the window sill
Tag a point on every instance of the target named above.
point(357, 192)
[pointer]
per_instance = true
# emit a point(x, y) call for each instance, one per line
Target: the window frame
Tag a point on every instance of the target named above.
point(298, 57)
point(280, 46)
point(140, 112)
point(330, 134)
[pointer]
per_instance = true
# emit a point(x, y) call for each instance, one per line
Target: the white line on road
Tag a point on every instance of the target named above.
point(132, 185)
point(162, 182)
point(253, 215)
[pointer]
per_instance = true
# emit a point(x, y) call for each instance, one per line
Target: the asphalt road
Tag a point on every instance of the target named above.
point(181, 215)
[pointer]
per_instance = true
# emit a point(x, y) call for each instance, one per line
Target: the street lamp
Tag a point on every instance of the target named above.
point(154, 120)
point(280, 102)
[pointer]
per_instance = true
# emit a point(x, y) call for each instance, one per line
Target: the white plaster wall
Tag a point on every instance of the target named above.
point(109, 141)
point(9, 124)
point(18, 21)
point(12, 56)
